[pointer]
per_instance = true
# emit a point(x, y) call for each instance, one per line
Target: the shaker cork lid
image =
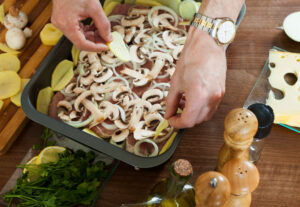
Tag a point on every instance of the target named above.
point(242, 175)
point(240, 127)
point(212, 190)
point(183, 168)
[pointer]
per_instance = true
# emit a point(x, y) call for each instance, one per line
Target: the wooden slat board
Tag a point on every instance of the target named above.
point(12, 118)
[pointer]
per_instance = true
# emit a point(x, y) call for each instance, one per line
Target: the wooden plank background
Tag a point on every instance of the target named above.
point(280, 163)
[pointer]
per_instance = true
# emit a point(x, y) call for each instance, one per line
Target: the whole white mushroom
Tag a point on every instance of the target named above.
point(15, 18)
point(15, 38)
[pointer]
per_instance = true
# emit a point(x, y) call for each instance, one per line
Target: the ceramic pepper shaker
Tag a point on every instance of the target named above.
point(212, 189)
point(243, 177)
point(240, 127)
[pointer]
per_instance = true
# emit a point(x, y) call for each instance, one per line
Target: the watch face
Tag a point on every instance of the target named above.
point(226, 32)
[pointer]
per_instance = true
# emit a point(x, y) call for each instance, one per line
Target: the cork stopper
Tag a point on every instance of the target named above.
point(212, 189)
point(183, 168)
point(14, 11)
point(240, 127)
point(242, 175)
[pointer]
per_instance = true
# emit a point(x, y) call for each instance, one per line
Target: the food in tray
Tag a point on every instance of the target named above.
point(124, 102)
point(58, 177)
point(285, 70)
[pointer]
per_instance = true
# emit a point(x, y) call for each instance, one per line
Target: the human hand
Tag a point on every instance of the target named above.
point(200, 76)
point(67, 16)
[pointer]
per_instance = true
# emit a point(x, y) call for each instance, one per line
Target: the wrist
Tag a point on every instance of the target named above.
point(203, 36)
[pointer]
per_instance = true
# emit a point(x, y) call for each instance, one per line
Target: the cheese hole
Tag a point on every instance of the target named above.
point(272, 65)
point(290, 78)
point(278, 93)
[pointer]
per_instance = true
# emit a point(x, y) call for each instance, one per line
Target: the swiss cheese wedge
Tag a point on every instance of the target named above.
point(287, 109)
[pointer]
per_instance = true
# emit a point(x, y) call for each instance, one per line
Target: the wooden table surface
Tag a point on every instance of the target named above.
point(280, 163)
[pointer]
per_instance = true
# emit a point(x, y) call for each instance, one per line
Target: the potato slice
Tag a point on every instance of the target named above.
point(62, 75)
point(147, 3)
point(5, 48)
point(106, 2)
point(17, 98)
point(9, 62)
point(110, 7)
point(2, 14)
point(10, 84)
point(44, 99)
point(75, 54)
point(118, 47)
point(1, 104)
point(50, 35)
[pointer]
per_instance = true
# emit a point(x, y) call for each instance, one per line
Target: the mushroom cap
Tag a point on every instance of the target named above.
point(19, 21)
point(15, 38)
point(242, 175)
point(120, 135)
point(212, 190)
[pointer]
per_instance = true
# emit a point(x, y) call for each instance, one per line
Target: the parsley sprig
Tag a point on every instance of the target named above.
point(73, 180)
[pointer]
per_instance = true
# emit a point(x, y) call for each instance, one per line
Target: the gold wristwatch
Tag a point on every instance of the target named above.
point(221, 29)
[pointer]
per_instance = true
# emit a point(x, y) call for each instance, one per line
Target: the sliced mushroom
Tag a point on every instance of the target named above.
point(129, 33)
point(120, 29)
point(120, 135)
point(80, 99)
point(137, 11)
point(83, 56)
point(168, 40)
point(79, 90)
point(70, 87)
point(108, 57)
point(177, 50)
point(166, 56)
point(120, 93)
point(103, 75)
point(97, 96)
point(120, 124)
point(142, 133)
point(136, 116)
point(99, 116)
point(109, 87)
point(66, 105)
point(153, 119)
point(141, 36)
point(136, 55)
point(158, 65)
point(171, 71)
point(155, 108)
point(73, 115)
point(87, 79)
point(110, 110)
point(153, 95)
point(129, 21)
point(161, 22)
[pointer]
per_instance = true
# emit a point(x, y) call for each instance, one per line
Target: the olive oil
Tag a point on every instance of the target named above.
point(174, 191)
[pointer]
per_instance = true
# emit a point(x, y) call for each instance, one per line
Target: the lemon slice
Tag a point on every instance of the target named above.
point(118, 47)
point(87, 130)
point(10, 84)
point(17, 98)
point(187, 9)
point(32, 169)
point(148, 3)
point(162, 125)
point(1, 104)
point(62, 75)
point(168, 143)
point(9, 62)
point(50, 35)
point(49, 154)
point(5, 48)
point(2, 14)
point(43, 100)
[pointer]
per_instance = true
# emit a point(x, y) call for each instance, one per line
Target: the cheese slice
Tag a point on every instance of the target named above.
point(287, 109)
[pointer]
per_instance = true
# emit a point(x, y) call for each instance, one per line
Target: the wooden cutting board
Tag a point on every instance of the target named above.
point(12, 118)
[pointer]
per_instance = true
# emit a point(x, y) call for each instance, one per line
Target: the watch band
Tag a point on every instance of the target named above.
point(204, 23)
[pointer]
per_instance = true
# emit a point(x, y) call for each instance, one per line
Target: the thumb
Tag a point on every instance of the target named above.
point(101, 22)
